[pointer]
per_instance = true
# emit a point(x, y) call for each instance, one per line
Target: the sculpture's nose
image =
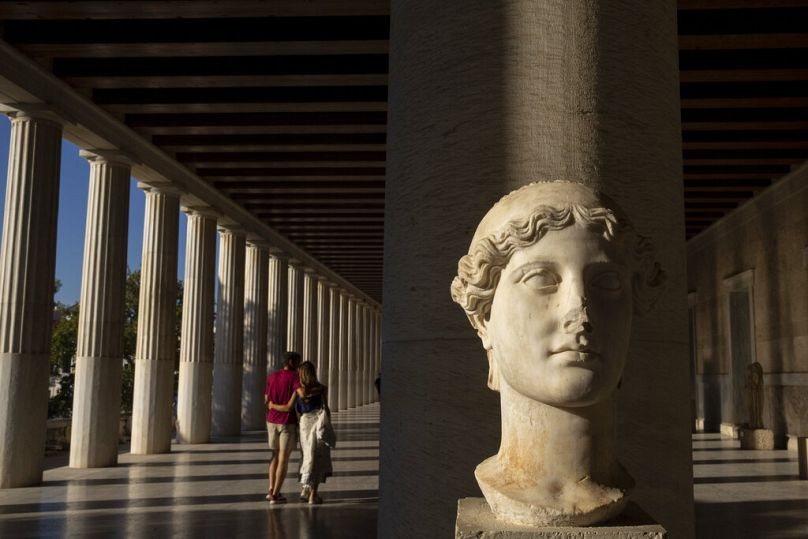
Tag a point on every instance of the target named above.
point(577, 319)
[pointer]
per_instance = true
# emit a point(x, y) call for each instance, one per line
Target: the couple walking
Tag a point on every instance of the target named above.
point(293, 392)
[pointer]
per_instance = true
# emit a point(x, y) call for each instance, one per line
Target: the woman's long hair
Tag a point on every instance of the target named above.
point(308, 380)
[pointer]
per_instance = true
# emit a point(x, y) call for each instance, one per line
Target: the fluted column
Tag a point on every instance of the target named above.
point(253, 409)
point(352, 352)
point(294, 336)
point(310, 316)
point(333, 346)
point(27, 264)
point(378, 370)
point(277, 309)
point(344, 333)
point(323, 330)
point(358, 371)
point(99, 343)
point(156, 337)
point(196, 342)
point(367, 380)
point(228, 352)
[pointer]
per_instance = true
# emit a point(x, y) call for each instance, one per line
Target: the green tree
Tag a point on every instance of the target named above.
point(63, 354)
point(63, 346)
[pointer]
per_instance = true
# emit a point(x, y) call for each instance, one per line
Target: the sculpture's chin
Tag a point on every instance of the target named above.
point(581, 503)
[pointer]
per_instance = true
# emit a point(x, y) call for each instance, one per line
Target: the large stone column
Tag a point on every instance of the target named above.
point(196, 340)
point(156, 332)
point(323, 329)
point(253, 409)
point(483, 100)
point(310, 316)
point(358, 353)
point(367, 378)
point(294, 336)
point(99, 343)
point(376, 364)
point(344, 340)
point(228, 352)
point(27, 265)
point(350, 356)
point(277, 309)
point(333, 346)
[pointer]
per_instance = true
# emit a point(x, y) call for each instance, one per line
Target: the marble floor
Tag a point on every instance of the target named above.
point(747, 494)
point(212, 490)
point(217, 490)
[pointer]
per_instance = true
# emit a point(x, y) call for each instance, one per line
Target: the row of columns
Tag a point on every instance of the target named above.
point(266, 304)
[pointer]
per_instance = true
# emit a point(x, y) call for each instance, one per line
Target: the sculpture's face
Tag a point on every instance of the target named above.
point(560, 319)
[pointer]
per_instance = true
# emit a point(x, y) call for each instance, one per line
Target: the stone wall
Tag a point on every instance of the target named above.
point(768, 237)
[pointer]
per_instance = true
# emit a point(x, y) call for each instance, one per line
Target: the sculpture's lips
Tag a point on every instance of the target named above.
point(576, 355)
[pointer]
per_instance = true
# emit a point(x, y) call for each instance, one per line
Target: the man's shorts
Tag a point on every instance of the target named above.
point(282, 433)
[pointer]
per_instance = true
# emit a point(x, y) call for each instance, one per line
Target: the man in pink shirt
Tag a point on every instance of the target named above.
point(281, 426)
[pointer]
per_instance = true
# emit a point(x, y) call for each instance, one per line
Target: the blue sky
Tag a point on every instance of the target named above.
point(75, 172)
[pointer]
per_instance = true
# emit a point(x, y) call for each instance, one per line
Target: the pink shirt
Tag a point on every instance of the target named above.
point(280, 387)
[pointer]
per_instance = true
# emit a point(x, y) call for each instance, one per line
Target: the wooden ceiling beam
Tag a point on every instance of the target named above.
point(744, 126)
point(743, 75)
point(250, 108)
point(738, 161)
point(742, 41)
point(271, 148)
point(738, 4)
point(188, 9)
point(744, 102)
point(211, 166)
point(205, 49)
point(240, 130)
point(225, 81)
point(746, 145)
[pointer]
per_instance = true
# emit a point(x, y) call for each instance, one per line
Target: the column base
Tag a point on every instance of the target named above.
point(476, 521)
point(756, 438)
point(729, 430)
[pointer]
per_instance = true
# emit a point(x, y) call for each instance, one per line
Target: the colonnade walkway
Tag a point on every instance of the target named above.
point(206, 490)
point(747, 494)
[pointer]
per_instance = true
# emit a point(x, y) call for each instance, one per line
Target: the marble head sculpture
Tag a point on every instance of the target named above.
point(551, 281)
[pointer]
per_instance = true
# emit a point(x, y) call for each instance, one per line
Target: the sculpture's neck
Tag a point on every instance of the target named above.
point(561, 443)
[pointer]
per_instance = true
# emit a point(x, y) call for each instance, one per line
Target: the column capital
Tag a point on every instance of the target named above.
point(294, 262)
point(277, 253)
point(258, 243)
point(202, 211)
point(39, 112)
point(164, 188)
point(310, 271)
point(113, 157)
point(230, 227)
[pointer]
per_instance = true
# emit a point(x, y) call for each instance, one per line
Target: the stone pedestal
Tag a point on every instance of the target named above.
point(756, 438)
point(476, 521)
point(729, 430)
point(802, 456)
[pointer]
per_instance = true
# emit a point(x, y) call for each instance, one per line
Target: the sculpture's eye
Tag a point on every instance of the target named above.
point(609, 280)
point(541, 280)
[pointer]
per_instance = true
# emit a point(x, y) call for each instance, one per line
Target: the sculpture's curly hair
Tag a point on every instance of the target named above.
point(479, 271)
